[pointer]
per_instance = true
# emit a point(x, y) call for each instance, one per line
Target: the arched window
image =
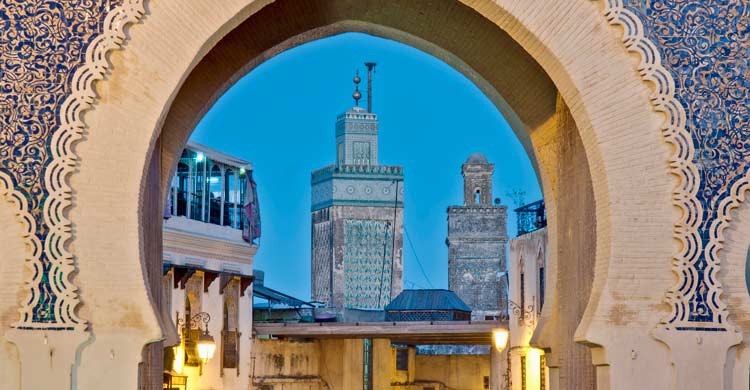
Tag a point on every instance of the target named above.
point(230, 335)
point(215, 195)
point(478, 196)
point(540, 266)
point(522, 287)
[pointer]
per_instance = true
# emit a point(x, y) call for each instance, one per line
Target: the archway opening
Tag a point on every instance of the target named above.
point(499, 66)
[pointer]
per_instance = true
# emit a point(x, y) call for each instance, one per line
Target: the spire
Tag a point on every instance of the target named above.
point(370, 68)
point(356, 95)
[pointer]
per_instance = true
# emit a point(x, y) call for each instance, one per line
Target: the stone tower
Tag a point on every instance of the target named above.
point(357, 219)
point(477, 238)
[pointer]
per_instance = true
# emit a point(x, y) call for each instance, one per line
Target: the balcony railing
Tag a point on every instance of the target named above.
point(531, 217)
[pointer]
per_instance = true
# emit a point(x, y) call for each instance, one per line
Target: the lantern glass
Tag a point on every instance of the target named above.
point(206, 347)
point(500, 338)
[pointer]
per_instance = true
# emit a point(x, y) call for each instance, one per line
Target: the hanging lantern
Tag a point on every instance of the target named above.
point(206, 347)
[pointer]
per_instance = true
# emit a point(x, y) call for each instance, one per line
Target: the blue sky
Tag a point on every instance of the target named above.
point(281, 117)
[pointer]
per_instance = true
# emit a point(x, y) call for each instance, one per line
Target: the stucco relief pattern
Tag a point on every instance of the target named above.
point(50, 55)
point(695, 52)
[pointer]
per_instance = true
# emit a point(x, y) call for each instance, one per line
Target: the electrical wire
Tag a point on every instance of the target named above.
point(414, 252)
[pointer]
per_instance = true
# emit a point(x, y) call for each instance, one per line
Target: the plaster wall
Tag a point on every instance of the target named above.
point(289, 365)
point(527, 253)
point(453, 371)
point(212, 302)
point(341, 363)
point(11, 272)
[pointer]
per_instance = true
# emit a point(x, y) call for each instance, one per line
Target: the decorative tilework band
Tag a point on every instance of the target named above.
point(52, 53)
point(694, 52)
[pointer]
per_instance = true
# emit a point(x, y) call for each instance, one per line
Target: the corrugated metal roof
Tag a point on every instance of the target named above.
point(272, 295)
point(436, 299)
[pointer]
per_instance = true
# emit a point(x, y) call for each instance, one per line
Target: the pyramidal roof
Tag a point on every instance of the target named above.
point(433, 299)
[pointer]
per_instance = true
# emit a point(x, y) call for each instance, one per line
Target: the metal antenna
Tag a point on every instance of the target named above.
point(370, 67)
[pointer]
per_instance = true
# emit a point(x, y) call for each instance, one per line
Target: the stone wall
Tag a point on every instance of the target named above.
point(573, 225)
point(476, 257)
point(330, 280)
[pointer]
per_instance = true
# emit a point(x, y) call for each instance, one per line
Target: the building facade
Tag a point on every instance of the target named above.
point(476, 242)
point(207, 271)
point(527, 259)
point(357, 220)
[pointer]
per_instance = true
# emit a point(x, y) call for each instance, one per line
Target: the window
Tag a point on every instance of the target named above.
point(523, 295)
point(230, 335)
point(230, 197)
point(215, 195)
point(486, 383)
point(198, 178)
point(183, 188)
point(541, 288)
point(478, 196)
point(402, 359)
point(239, 212)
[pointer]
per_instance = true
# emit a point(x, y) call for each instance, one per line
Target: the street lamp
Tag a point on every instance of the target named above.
point(500, 338)
point(206, 347)
point(205, 344)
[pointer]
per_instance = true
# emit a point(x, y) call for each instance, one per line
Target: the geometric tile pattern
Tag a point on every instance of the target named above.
point(695, 52)
point(367, 263)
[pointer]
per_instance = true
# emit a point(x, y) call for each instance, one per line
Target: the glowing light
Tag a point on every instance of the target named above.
point(533, 369)
point(199, 157)
point(500, 338)
point(179, 359)
point(206, 347)
point(242, 171)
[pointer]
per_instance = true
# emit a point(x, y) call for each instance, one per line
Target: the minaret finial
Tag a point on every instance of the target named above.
point(370, 67)
point(356, 95)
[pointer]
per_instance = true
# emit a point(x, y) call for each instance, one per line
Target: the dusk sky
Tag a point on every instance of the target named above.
point(281, 117)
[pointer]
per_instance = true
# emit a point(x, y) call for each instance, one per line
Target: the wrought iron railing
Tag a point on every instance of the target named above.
point(531, 217)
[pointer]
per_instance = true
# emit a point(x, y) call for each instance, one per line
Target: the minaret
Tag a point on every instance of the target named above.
point(477, 238)
point(357, 216)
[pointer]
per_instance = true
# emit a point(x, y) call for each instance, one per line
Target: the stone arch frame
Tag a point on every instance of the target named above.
point(565, 84)
point(14, 271)
point(523, 16)
point(736, 253)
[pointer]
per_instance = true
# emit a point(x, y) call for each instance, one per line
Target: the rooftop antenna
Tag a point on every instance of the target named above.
point(356, 95)
point(370, 68)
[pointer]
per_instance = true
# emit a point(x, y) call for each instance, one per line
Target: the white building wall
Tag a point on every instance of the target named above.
point(527, 256)
point(216, 248)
